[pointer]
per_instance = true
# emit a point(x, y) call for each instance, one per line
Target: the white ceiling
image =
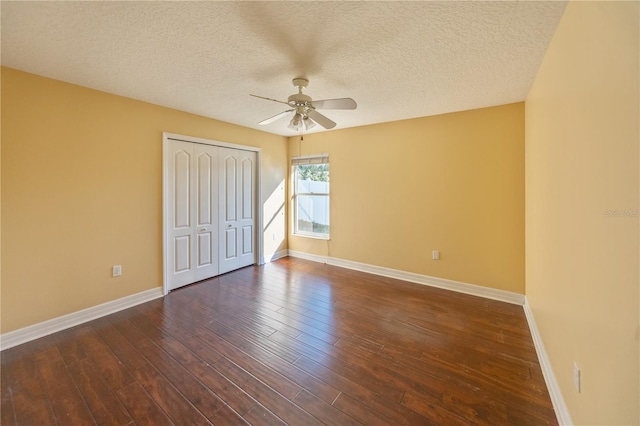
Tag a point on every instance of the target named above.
point(398, 60)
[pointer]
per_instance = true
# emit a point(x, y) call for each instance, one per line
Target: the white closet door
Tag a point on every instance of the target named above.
point(229, 259)
point(206, 211)
point(192, 213)
point(237, 217)
point(210, 210)
point(246, 199)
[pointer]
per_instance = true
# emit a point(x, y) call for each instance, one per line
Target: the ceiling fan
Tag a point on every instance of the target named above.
point(304, 108)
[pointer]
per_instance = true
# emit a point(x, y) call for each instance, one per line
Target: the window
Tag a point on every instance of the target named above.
point(311, 196)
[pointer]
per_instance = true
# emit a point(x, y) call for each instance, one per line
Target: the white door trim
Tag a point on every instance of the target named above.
point(165, 196)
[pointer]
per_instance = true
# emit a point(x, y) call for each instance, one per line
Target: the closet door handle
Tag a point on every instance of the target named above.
point(203, 229)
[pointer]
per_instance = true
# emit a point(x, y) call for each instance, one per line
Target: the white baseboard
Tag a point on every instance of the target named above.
point(460, 287)
point(307, 256)
point(274, 256)
point(557, 400)
point(32, 332)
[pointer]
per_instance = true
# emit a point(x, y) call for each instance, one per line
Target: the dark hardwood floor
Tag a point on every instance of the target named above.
point(291, 342)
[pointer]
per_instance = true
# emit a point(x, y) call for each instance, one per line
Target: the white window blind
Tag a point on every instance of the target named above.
point(310, 159)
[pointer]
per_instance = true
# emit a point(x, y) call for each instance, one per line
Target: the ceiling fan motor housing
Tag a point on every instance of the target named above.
point(299, 99)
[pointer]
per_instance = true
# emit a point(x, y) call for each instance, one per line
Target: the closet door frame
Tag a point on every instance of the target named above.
point(166, 137)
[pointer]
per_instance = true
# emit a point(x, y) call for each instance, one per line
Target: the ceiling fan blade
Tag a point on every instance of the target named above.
point(340, 103)
point(275, 117)
point(321, 119)
point(269, 99)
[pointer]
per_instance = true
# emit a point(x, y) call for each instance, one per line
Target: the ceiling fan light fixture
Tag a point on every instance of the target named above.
point(296, 122)
point(308, 123)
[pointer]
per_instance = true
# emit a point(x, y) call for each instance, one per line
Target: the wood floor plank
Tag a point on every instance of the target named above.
point(350, 368)
point(233, 344)
point(30, 400)
point(262, 372)
point(173, 403)
point(122, 348)
point(362, 412)
point(226, 416)
point(259, 415)
point(7, 410)
point(530, 414)
point(189, 385)
point(290, 342)
point(324, 329)
point(258, 317)
point(105, 406)
point(109, 366)
point(234, 396)
point(476, 408)
point(70, 347)
point(244, 341)
point(141, 406)
point(162, 354)
point(355, 365)
point(326, 413)
point(363, 398)
point(276, 403)
point(126, 327)
point(433, 410)
point(66, 401)
point(303, 379)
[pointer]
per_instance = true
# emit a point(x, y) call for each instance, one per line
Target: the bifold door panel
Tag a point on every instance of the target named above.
point(237, 189)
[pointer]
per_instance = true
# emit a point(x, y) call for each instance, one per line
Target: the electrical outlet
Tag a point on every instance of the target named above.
point(116, 271)
point(576, 376)
point(435, 255)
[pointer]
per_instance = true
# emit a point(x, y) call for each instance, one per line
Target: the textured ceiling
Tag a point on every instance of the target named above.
point(398, 60)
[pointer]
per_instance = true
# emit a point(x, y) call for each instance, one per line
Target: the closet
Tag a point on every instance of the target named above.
point(209, 210)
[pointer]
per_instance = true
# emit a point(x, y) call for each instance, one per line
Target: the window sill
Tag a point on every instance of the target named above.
point(312, 236)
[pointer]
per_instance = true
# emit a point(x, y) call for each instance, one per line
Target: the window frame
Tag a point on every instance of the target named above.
point(303, 161)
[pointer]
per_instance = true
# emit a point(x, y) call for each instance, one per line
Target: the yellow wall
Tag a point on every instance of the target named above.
point(453, 183)
point(82, 191)
point(582, 209)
